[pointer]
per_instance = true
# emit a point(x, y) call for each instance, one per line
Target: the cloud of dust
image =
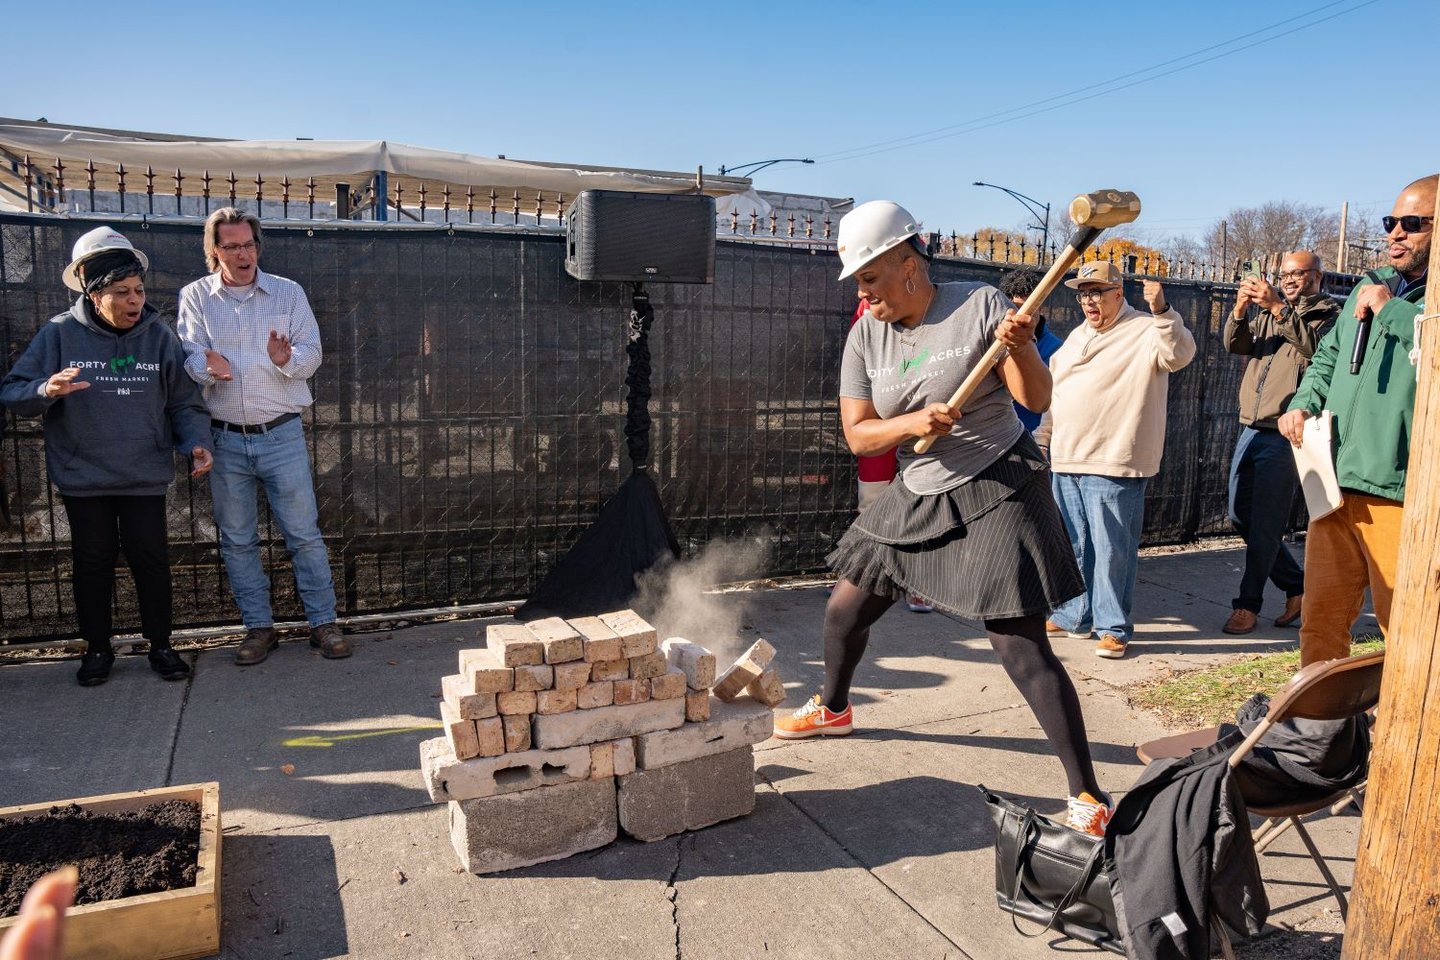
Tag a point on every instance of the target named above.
point(675, 598)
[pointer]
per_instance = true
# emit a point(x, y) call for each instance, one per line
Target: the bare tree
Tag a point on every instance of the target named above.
point(1275, 227)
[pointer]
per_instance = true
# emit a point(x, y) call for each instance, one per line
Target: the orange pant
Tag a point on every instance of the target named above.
point(1354, 547)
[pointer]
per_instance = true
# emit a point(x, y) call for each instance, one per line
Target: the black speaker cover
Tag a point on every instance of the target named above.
point(656, 237)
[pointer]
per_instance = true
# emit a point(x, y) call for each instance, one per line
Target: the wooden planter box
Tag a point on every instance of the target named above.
point(174, 925)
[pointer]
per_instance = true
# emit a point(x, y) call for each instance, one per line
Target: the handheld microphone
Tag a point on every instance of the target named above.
point(1362, 334)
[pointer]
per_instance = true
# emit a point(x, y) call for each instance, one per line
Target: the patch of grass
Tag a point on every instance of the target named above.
point(1202, 698)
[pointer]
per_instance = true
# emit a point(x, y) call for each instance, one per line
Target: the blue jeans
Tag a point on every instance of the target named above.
point(1103, 516)
point(278, 461)
point(1262, 491)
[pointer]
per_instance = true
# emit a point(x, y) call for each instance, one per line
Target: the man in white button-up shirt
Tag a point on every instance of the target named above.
point(251, 342)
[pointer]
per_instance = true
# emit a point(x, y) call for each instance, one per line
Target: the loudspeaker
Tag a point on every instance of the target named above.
point(656, 237)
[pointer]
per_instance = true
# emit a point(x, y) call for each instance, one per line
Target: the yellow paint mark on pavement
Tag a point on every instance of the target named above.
point(330, 739)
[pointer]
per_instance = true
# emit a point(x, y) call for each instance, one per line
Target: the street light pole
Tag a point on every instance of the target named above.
point(1035, 209)
point(762, 164)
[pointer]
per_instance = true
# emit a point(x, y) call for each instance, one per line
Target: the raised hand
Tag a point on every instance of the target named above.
point(279, 348)
point(64, 383)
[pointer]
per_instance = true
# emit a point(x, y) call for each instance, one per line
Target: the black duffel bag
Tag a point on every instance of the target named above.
point(1051, 875)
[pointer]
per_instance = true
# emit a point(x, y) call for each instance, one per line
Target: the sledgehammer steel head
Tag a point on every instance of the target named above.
point(1104, 208)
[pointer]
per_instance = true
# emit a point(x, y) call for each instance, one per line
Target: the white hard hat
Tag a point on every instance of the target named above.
point(97, 241)
point(871, 229)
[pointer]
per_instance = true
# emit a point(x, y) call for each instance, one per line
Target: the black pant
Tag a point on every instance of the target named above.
point(100, 527)
point(1263, 482)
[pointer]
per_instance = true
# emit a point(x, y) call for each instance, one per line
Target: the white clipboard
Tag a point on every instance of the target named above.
point(1316, 466)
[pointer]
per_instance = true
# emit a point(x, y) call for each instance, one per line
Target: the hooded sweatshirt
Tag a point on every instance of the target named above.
point(117, 436)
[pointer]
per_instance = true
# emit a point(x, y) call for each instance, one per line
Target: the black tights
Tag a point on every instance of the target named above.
point(1019, 642)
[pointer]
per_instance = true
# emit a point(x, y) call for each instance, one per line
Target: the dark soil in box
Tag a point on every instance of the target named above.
point(120, 854)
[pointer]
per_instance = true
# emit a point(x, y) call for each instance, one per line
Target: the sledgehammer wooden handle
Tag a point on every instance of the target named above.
point(1093, 212)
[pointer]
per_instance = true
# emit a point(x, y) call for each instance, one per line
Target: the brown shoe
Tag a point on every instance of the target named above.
point(256, 646)
point(1111, 647)
point(331, 643)
point(1241, 621)
point(1291, 616)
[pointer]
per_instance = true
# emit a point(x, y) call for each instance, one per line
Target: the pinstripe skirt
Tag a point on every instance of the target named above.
point(993, 547)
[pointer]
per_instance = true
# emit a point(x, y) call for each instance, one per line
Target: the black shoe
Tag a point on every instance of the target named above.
point(167, 663)
point(95, 667)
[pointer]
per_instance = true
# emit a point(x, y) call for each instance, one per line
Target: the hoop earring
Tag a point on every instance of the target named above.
point(910, 286)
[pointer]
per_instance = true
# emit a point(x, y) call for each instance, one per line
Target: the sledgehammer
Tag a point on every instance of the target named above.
point(1092, 212)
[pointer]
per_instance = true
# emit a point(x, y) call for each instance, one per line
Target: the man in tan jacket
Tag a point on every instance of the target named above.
point(1105, 432)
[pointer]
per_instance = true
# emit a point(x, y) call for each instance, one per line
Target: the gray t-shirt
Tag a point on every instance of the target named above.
point(901, 370)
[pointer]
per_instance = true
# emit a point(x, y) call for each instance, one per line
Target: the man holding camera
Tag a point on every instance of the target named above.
point(1278, 331)
point(1363, 372)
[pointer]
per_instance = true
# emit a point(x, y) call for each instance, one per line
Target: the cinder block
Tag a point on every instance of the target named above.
point(470, 706)
point(767, 688)
point(647, 666)
point(490, 734)
point(594, 695)
point(562, 643)
point(610, 670)
point(513, 830)
point(460, 733)
point(449, 779)
point(606, 723)
point(751, 664)
point(731, 726)
point(697, 662)
point(534, 677)
point(602, 760)
point(697, 706)
point(550, 702)
point(631, 692)
point(516, 702)
point(514, 644)
point(486, 672)
point(668, 685)
point(637, 637)
point(655, 804)
point(600, 642)
point(571, 676)
point(624, 756)
point(517, 732)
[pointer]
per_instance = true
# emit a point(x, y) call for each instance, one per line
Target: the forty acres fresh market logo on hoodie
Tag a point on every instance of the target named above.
point(126, 373)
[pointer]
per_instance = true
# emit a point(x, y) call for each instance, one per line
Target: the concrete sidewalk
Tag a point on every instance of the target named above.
point(874, 846)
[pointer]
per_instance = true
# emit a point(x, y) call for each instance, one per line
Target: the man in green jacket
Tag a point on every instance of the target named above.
point(1358, 545)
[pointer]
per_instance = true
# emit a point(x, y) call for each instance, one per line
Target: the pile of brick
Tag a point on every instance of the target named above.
point(559, 734)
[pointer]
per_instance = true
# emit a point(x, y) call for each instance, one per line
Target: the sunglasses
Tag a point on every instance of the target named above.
point(1410, 223)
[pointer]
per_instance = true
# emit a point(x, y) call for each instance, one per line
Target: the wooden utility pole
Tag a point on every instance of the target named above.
point(1341, 253)
point(1395, 903)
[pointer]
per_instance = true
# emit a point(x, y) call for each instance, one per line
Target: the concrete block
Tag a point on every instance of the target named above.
point(660, 803)
point(602, 760)
point(460, 733)
point(571, 676)
point(485, 671)
point(751, 664)
point(610, 670)
point(767, 688)
point(562, 643)
point(606, 723)
point(513, 830)
point(516, 702)
point(470, 706)
point(600, 642)
point(731, 726)
point(517, 732)
point(535, 676)
point(697, 706)
point(668, 685)
point(637, 637)
point(624, 756)
point(697, 662)
point(647, 666)
point(490, 734)
point(594, 695)
point(549, 702)
point(631, 692)
point(449, 779)
point(514, 644)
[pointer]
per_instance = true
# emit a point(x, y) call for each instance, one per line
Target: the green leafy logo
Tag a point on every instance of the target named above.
point(907, 365)
point(118, 364)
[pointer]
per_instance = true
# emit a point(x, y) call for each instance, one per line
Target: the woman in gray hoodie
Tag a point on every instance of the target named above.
point(108, 378)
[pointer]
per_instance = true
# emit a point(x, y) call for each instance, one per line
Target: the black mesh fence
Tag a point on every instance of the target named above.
point(469, 412)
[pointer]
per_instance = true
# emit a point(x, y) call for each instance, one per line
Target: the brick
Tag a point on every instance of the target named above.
point(449, 779)
point(460, 733)
point(561, 642)
point(517, 732)
point(654, 804)
point(470, 706)
point(516, 702)
point(571, 676)
point(751, 664)
point(521, 829)
point(637, 637)
point(549, 702)
point(486, 671)
point(697, 662)
point(697, 706)
point(490, 733)
point(534, 677)
point(600, 642)
point(731, 726)
point(514, 644)
point(767, 688)
point(669, 685)
point(606, 723)
point(610, 670)
point(594, 695)
point(602, 760)
point(628, 692)
point(647, 666)
point(624, 756)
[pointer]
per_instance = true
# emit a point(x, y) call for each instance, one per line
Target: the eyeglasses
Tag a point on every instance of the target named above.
point(1295, 274)
point(1085, 296)
point(248, 247)
point(1410, 223)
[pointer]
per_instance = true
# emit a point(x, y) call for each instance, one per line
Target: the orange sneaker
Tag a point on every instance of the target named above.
point(814, 719)
point(1089, 815)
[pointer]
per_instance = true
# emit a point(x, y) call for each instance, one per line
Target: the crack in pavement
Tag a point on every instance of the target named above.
point(672, 892)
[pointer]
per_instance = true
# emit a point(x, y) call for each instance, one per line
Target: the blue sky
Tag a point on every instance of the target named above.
point(1332, 101)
